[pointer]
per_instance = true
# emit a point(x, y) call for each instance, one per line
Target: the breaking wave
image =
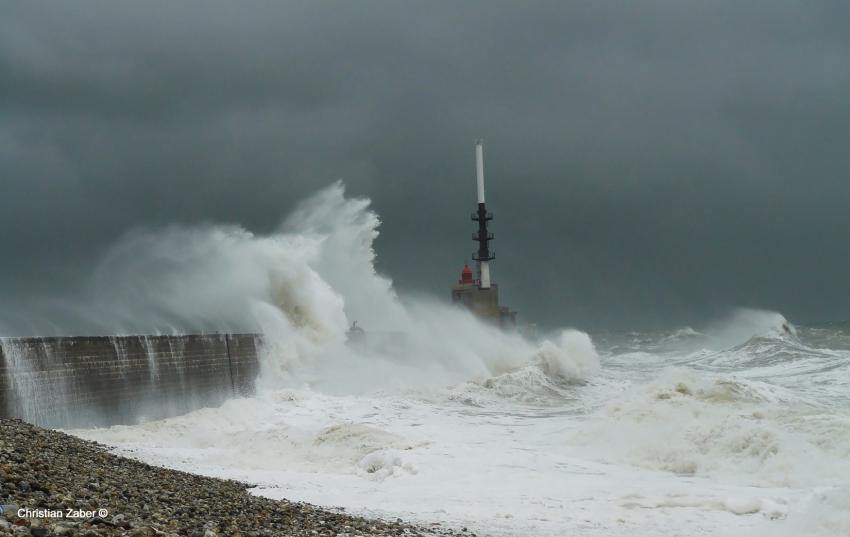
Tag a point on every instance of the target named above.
point(687, 422)
point(745, 324)
point(548, 378)
point(302, 287)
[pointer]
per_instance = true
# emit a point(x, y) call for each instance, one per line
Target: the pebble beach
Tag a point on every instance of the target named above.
point(57, 484)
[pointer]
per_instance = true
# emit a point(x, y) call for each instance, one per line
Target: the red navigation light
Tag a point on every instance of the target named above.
point(466, 275)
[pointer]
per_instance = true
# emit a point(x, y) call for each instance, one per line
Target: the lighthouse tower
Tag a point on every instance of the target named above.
point(481, 296)
point(483, 256)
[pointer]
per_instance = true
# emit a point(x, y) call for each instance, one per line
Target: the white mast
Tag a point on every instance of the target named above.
point(479, 168)
point(483, 264)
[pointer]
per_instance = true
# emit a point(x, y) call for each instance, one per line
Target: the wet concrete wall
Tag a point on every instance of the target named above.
point(71, 382)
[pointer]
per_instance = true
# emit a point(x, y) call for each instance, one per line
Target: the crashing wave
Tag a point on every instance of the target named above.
point(747, 324)
point(690, 423)
point(547, 376)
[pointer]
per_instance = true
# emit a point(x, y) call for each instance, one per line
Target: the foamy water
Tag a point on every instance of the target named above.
point(738, 428)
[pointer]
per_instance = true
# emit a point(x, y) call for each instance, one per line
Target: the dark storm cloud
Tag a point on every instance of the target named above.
point(648, 162)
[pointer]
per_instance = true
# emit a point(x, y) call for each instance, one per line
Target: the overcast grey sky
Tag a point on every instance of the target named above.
point(650, 162)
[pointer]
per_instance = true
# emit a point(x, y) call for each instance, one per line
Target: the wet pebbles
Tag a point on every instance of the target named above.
point(47, 475)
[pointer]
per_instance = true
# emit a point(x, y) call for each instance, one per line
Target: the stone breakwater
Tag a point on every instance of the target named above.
point(79, 382)
point(45, 474)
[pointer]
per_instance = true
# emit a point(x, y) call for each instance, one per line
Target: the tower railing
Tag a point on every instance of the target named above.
point(490, 257)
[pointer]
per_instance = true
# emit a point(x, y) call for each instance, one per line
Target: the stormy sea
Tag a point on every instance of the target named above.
point(738, 427)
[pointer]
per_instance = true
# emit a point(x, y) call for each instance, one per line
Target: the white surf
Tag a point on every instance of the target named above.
point(738, 428)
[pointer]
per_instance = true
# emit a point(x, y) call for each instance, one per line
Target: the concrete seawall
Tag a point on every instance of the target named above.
point(73, 382)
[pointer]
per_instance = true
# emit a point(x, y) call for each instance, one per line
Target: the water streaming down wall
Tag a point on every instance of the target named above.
point(73, 382)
